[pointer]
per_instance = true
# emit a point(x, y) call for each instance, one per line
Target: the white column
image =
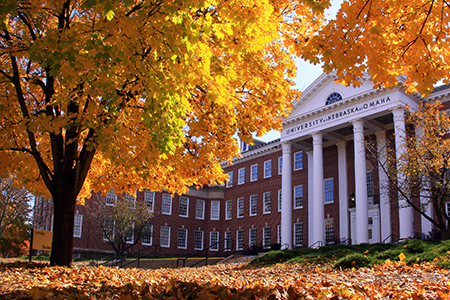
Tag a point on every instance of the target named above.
point(286, 196)
point(425, 194)
point(343, 190)
point(362, 227)
point(385, 204)
point(319, 191)
point(405, 211)
point(310, 197)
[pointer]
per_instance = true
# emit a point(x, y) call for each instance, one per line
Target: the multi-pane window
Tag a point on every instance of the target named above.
point(267, 202)
point(111, 198)
point(77, 226)
point(252, 237)
point(149, 199)
point(267, 231)
point(184, 207)
point(166, 208)
point(267, 168)
point(230, 179)
point(131, 201)
point(298, 196)
point(215, 210)
point(240, 239)
point(198, 240)
point(228, 241)
point(280, 165)
point(200, 209)
point(369, 176)
point(279, 199)
point(254, 172)
point(147, 234)
point(182, 238)
point(228, 209)
point(129, 238)
point(298, 161)
point(109, 229)
point(165, 236)
point(279, 234)
point(240, 207)
point(298, 234)
point(241, 176)
point(329, 190)
point(214, 240)
point(253, 205)
point(329, 231)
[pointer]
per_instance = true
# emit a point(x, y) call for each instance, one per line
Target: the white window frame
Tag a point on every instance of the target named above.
point(215, 210)
point(111, 198)
point(113, 223)
point(230, 179)
point(182, 241)
point(161, 236)
point(200, 209)
point(239, 239)
point(369, 178)
point(298, 160)
point(130, 200)
point(240, 207)
point(127, 240)
point(253, 208)
point(279, 234)
point(214, 238)
point(280, 165)
point(166, 203)
point(241, 176)
point(252, 237)
point(150, 237)
point(228, 209)
point(298, 198)
point(327, 190)
point(253, 172)
point(268, 169)
point(227, 235)
point(181, 206)
point(280, 197)
point(329, 231)
point(77, 225)
point(298, 234)
point(201, 240)
point(267, 234)
point(267, 201)
point(149, 198)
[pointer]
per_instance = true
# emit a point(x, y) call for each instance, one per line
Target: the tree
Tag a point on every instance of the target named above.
point(425, 165)
point(132, 94)
point(121, 223)
point(386, 39)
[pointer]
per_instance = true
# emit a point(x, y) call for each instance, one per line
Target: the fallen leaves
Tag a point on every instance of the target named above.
point(282, 281)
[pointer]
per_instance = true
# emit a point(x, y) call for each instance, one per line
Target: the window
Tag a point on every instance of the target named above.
point(329, 231)
point(329, 190)
point(228, 209)
point(166, 208)
point(279, 199)
point(240, 207)
point(77, 226)
point(252, 237)
point(369, 176)
point(267, 236)
point(109, 230)
point(165, 236)
point(129, 238)
point(253, 205)
point(240, 239)
point(182, 238)
point(149, 199)
point(147, 234)
point(111, 198)
point(230, 179)
point(228, 241)
point(215, 210)
point(280, 165)
point(267, 203)
point(298, 161)
point(298, 196)
point(214, 240)
point(200, 210)
point(254, 172)
point(198, 240)
point(241, 176)
point(267, 169)
point(184, 207)
point(131, 201)
point(298, 234)
point(334, 97)
point(279, 234)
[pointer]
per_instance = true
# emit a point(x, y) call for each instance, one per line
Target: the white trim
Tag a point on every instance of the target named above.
point(202, 207)
point(161, 236)
point(149, 198)
point(253, 173)
point(185, 238)
point(228, 212)
point(300, 160)
point(150, 238)
point(267, 209)
point(78, 234)
point(230, 181)
point(239, 200)
point(267, 169)
point(165, 199)
point(187, 207)
point(202, 239)
point(240, 182)
point(213, 213)
point(253, 203)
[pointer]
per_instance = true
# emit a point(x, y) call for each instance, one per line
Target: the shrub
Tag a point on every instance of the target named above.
point(414, 246)
point(355, 260)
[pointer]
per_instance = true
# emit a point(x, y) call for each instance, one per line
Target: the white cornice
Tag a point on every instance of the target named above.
point(255, 153)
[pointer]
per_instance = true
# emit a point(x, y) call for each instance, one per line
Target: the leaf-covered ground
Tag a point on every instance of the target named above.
point(391, 280)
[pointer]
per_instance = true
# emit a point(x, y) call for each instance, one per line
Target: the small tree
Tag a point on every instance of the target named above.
point(122, 221)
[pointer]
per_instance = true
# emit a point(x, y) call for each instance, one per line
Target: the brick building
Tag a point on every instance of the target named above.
point(315, 185)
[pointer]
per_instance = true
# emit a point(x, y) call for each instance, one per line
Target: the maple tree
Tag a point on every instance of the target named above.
point(386, 39)
point(133, 94)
